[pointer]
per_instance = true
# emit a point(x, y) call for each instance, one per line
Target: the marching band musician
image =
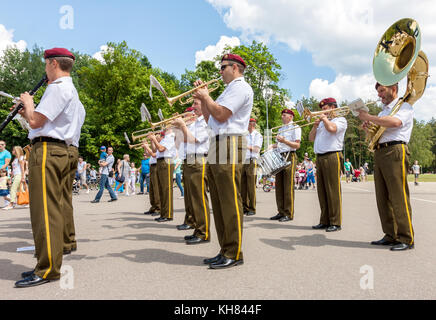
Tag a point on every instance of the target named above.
point(249, 169)
point(288, 142)
point(328, 135)
point(165, 152)
point(391, 164)
point(55, 126)
point(228, 119)
point(154, 183)
point(196, 137)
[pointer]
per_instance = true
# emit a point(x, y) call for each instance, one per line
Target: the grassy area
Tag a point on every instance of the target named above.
point(411, 178)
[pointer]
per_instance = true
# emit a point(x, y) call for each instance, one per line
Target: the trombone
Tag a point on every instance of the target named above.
point(309, 115)
point(166, 124)
point(171, 101)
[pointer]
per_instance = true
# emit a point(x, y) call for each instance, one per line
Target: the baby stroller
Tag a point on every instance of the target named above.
point(302, 180)
point(356, 176)
point(76, 186)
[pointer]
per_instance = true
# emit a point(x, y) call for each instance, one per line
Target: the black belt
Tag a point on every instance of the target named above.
point(47, 139)
point(197, 155)
point(327, 153)
point(388, 144)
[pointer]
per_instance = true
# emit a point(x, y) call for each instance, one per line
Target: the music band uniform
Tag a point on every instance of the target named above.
point(165, 172)
point(195, 182)
point(225, 160)
point(154, 188)
point(391, 165)
point(285, 193)
point(329, 162)
point(50, 171)
point(249, 172)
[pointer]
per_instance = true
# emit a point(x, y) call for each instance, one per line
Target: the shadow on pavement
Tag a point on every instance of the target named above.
point(317, 240)
point(159, 256)
point(11, 271)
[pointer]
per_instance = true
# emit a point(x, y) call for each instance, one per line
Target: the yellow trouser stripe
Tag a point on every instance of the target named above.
point(44, 200)
point(339, 188)
point(404, 193)
point(236, 197)
point(204, 200)
point(169, 189)
point(255, 182)
point(292, 185)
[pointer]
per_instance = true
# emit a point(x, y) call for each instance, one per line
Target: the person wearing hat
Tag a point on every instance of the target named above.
point(391, 164)
point(288, 142)
point(249, 169)
point(196, 140)
point(165, 150)
point(55, 131)
point(228, 119)
point(328, 137)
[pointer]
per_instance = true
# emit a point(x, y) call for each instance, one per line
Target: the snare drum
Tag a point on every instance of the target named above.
point(272, 162)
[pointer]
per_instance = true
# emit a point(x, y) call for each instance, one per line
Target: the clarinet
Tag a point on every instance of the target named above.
point(14, 112)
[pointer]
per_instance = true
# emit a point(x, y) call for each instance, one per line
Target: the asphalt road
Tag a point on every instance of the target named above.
point(123, 254)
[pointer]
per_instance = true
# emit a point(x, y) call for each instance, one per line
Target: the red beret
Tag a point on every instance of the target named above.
point(327, 101)
point(288, 111)
point(58, 52)
point(190, 109)
point(235, 58)
point(162, 133)
point(253, 120)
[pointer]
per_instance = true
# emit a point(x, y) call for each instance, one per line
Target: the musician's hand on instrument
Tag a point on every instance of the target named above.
point(316, 123)
point(280, 139)
point(27, 100)
point(179, 123)
point(323, 117)
point(363, 115)
point(198, 83)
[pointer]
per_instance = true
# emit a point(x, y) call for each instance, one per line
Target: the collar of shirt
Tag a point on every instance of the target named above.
point(62, 79)
point(390, 105)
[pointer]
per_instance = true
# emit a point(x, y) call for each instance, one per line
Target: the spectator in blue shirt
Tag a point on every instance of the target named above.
point(5, 156)
point(145, 174)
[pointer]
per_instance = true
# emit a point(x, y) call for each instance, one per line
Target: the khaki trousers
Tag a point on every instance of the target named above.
point(196, 200)
point(392, 192)
point(69, 230)
point(248, 185)
point(285, 193)
point(48, 174)
point(189, 214)
point(165, 171)
point(328, 169)
point(154, 189)
point(224, 176)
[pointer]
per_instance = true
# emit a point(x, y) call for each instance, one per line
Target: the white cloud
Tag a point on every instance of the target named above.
point(212, 51)
point(7, 40)
point(338, 34)
point(99, 55)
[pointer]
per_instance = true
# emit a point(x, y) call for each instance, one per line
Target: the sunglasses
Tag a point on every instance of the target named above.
point(223, 67)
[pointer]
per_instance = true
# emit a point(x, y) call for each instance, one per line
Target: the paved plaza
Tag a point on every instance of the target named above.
point(123, 254)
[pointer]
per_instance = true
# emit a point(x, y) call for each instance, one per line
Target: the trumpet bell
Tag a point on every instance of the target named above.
point(396, 52)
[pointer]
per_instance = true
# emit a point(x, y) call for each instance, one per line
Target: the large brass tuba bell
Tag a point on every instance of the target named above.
point(397, 55)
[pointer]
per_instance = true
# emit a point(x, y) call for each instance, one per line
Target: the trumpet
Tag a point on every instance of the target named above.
point(137, 146)
point(166, 124)
point(309, 115)
point(171, 101)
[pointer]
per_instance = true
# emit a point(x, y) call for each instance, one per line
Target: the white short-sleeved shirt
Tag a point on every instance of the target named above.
point(169, 143)
point(64, 111)
point(16, 168)
point(152, 160)
point(329, 142)
point(80, 167)
point(402, 133)
point(254, 139)
point(289, 135)
point(199, 131)
point(238, 98)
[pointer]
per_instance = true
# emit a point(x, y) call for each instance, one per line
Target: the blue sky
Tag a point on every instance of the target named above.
point(325, 48)
point(168, 32)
